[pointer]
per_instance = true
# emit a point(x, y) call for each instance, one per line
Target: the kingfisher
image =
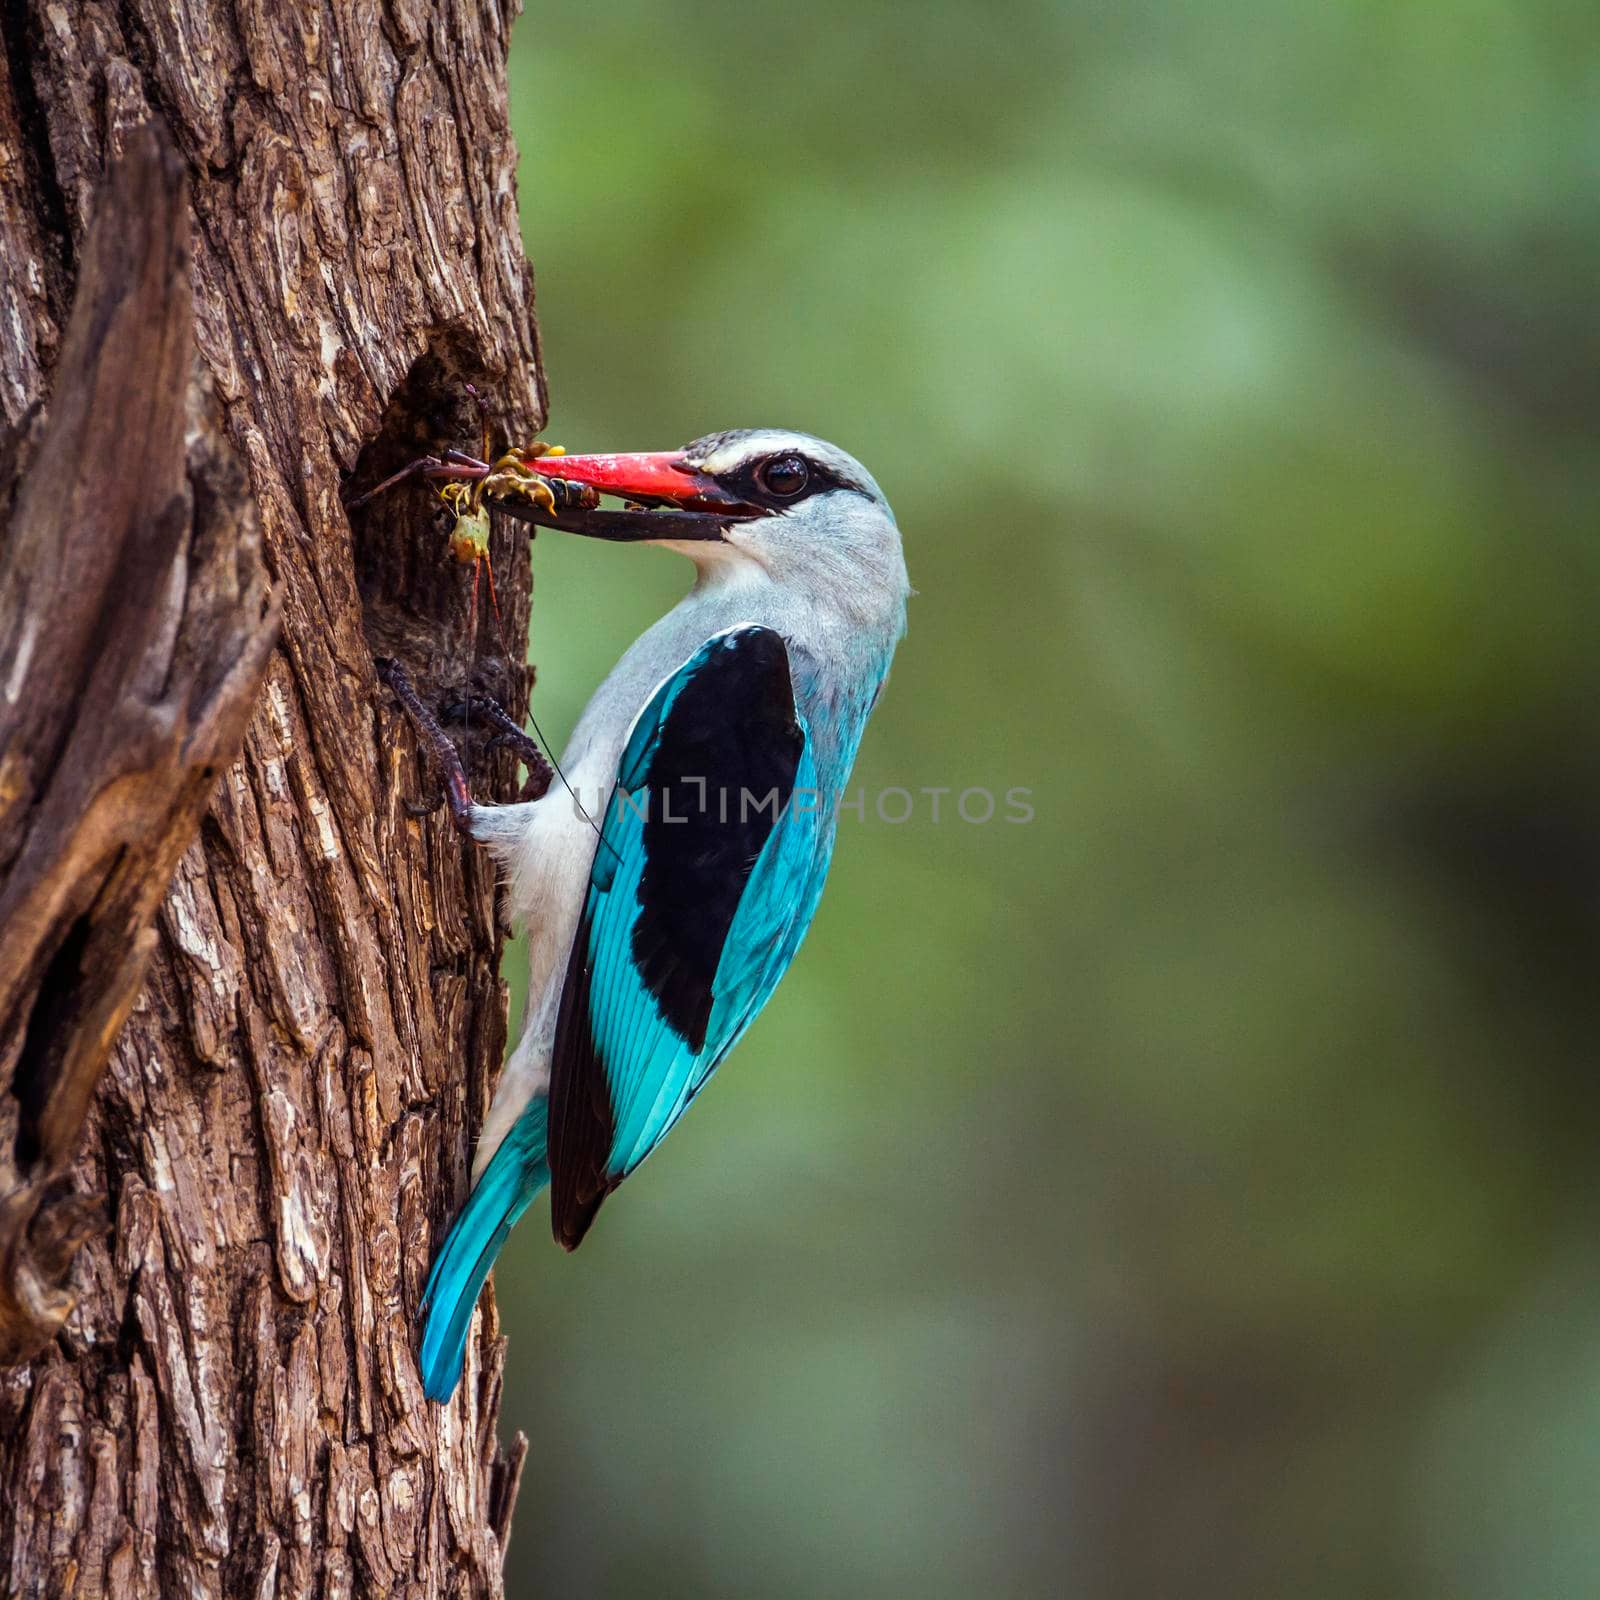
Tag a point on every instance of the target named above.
point(667, 884)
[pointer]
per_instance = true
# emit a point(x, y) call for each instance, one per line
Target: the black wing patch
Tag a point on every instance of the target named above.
point(719, 777)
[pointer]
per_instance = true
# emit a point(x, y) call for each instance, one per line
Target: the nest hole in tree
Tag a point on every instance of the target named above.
point(417, 600)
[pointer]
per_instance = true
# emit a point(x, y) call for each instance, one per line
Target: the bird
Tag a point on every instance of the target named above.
point(666, 886)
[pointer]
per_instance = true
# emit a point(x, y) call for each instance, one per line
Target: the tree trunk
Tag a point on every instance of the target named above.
point(250, 1001)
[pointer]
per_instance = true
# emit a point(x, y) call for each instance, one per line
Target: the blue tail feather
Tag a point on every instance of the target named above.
point(515, 1174)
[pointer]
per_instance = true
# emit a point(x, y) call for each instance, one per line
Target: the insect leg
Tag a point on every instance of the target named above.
point(494, 606)
point(446, 466)
point(472, 607)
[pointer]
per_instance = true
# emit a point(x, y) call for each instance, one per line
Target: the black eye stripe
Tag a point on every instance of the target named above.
point(758, 481)
point(830, 468)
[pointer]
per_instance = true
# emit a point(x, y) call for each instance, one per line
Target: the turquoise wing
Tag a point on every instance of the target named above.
point(706, 876)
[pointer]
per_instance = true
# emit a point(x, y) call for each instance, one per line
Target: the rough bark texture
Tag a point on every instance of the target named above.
point(139, 598)
point(219, 1392)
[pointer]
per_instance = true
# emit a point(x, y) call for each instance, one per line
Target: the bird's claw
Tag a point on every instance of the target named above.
point(509, 734)
point(456, 793)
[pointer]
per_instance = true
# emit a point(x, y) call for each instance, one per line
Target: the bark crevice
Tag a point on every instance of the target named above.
point(49, 203)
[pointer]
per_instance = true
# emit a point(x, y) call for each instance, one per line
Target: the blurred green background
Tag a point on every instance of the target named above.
point(1190, 1192)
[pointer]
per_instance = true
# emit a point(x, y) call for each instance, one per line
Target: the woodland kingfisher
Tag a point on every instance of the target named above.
point(666, 885)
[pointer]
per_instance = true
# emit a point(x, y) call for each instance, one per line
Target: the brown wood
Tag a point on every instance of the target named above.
point(249, 1004)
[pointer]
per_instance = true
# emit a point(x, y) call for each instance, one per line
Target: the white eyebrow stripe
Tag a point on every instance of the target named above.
point(764, 442)
point(728, 453)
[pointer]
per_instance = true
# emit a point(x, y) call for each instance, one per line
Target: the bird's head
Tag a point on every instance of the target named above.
point(749, 502)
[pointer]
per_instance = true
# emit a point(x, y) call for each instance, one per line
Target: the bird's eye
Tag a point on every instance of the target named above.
point(783, 477)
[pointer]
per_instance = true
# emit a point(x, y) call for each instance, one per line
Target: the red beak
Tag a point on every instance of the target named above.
point(652, 479)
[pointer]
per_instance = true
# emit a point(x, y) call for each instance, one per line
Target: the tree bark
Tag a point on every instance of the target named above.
point(250, 1002)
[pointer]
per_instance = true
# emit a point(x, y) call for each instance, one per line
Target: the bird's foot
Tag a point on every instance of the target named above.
point(509, 733)
point(456, 793)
